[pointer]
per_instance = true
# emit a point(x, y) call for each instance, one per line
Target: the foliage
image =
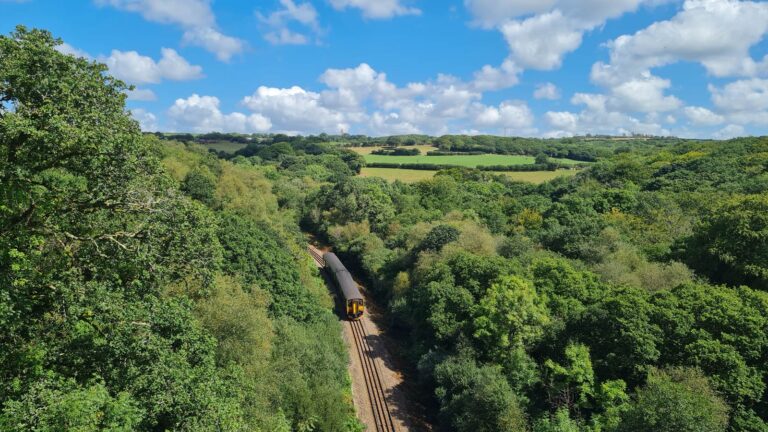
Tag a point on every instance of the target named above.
point(732, 244)
point(676, 400)
point(127, 304)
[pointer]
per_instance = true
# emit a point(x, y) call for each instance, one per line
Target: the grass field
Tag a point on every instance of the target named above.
point(227, 147)
point(410, 176)
point(469, 161)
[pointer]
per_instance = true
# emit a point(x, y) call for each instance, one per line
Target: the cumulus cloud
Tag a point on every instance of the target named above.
point(743, 95)
point(491, 78)
point(147, 120)
point(68, 49)
point(597, 117)
point(135, 68)
point(139, 94)
point(222, 46)
point(295, 109)
point(277, 23)
point(540, 42)
point(194, 16)
point(547, 91)
point(359, 100)
point(715, 33)
point(509, 114)
point(541, 32)
point(644, 94)
point(730, 131)
point(377, 9)
point(202, 114)
point(703, 116)
point(743, 101)
point(563, 121)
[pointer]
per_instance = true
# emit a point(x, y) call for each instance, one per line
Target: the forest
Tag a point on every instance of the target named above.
point(630, 297)
point(149, 284)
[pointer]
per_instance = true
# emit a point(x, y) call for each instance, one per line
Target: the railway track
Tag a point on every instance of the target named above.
point(316, 256)
point(379, 406)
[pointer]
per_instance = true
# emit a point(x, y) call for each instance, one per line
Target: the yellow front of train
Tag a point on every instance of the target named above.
point(355, 309)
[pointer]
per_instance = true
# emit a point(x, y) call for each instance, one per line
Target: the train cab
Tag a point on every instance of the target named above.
point(355, 308)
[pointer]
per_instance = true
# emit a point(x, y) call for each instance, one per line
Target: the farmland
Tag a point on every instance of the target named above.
point(224, 146)
point(411, 176)
point(468, 161)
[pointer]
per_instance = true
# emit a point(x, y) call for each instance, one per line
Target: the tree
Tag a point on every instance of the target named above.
point(200, 184)
point(559, 422)
point(731, 245)
point(64, 406)
point(476, 398)
point(676, 400)
point(438, 237)
point(66, 143)
point(511, 315)
point(570, 385)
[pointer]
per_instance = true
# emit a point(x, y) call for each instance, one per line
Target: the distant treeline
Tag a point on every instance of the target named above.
point(397, 151)
point(585, 149)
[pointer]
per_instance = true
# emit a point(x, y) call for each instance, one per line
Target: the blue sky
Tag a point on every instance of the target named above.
point(695, 68)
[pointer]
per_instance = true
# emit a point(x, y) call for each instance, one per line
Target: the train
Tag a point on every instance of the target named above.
point(354, 303)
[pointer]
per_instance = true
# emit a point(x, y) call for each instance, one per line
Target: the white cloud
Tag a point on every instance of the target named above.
point(376, 9)
point(222, 46)
point(202, 114)
point(541, 32)
point(540, 42)
point(194, 16)
point(564, 121)
point(391, 124)
point(743, 101)
point(139, 94)
point(643, 94)
point(547, 91)
point(135, 68)
point(68, 49)
point(147, 120)
point(285, 36)
point(188, 13)
point(278, 21)
point(703, 116)
point(716, 33)
point(491, 78)
point(360, 100)
point(295, 109)
point(509, 114)
point(598, 117)
point(730, 131)
point(744, 95)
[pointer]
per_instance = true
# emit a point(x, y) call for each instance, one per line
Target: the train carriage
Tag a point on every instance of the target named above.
point(353, 299)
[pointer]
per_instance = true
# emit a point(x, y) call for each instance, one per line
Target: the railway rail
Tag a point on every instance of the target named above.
point(373, 383)
point(379, 406)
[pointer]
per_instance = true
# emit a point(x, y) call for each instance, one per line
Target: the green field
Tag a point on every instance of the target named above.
point(469, 161)
point(410, 176)
point(226, 147)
